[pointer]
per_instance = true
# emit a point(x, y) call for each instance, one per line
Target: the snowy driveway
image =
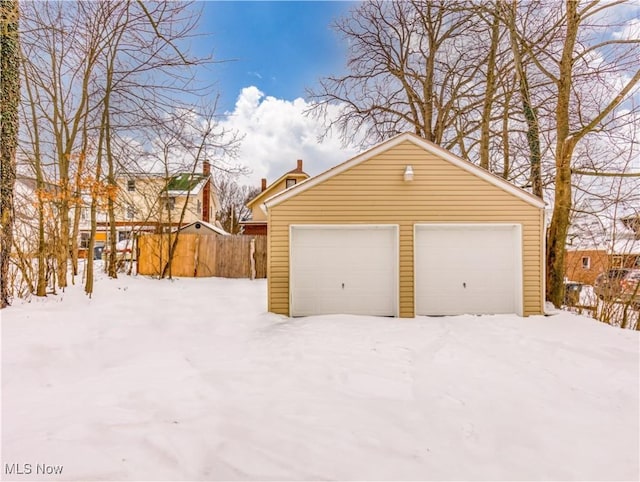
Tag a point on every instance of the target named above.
point(193, 380)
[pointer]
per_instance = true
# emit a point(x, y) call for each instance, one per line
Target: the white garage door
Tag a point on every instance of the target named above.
point(472, 268)
point(344, 269)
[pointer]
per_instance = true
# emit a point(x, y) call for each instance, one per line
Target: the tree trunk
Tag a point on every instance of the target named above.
point(41, 287)
point(531, 118)
point(506, 147)
point(112, 266)
point(485, 122)
point(559, 227)
point(88, 286)
point(78, 206)
point(9, 102)
point(565, 144)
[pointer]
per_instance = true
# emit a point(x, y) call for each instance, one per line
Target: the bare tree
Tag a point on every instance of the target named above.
point(97, 75)
point(413, 66)
point(510, 14)
point(578, 112)
point(233, 201)
point(444, 70)
point(62, 48)
point(199, 136)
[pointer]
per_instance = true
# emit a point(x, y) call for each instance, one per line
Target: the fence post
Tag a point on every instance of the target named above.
point(252, 259)
point(196, 255)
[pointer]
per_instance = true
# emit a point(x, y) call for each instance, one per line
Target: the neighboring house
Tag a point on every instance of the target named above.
point(149, 203)
point(404, 229)
point(25, 222)
point(26, 216)
point(584, 263)
point(257, 225)
point(197, 191)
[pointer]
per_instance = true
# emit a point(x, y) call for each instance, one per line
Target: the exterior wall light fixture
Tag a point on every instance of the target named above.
point(408, 174)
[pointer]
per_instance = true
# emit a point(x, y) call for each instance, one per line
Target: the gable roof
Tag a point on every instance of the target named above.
point(420, 142)
point(297, 173)
point(207, 225)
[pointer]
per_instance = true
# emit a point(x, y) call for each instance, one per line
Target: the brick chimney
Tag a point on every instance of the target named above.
point(206, 192)
point(264, 185)
point(299, 168)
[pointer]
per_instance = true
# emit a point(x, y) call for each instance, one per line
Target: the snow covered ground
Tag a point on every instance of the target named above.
point(191, 379)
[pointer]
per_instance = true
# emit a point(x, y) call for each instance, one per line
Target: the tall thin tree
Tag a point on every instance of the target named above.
point(9, 103)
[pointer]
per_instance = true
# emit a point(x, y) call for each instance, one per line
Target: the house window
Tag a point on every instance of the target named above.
point(84, 240)
point(84, 214)
point(123, 235)
point(131, 211)
point(131, 185)
point(586, 262)
point(290, 183)
point(170, 203)
point(616, 261)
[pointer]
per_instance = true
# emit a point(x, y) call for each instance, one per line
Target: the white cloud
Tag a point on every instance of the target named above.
point(277, 133)
point(629, 31)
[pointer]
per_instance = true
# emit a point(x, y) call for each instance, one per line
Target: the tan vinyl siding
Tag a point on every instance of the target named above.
point(374, 192)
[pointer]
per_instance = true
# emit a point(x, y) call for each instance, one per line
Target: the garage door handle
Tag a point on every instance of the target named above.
point(342, 285)
point(464, 285)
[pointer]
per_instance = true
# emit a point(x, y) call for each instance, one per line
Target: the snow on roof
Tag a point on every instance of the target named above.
point(210, 226)
point(625, 245)
point(620, 245)
point(184, 183)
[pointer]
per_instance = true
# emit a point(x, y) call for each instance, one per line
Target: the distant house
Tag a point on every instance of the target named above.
point(257, 225)
point(197, 191)
point(584, 263)
point(586, 260)
point(148, 202)
point(25, 227)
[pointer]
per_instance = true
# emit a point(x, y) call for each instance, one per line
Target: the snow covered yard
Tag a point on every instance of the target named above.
point(192, 380)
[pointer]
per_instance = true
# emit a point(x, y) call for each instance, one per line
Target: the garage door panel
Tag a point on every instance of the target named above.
point(343, 270)
point(467, 269)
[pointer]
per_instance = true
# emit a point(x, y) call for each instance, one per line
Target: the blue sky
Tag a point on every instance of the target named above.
point(273, 52)
point(279, 47)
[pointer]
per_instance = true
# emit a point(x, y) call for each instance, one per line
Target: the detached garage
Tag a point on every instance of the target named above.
point(405, 229)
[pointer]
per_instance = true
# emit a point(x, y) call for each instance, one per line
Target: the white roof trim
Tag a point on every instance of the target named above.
point(386, 145)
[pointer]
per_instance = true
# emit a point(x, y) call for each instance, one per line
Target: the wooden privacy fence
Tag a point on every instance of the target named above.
point(201, 255)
